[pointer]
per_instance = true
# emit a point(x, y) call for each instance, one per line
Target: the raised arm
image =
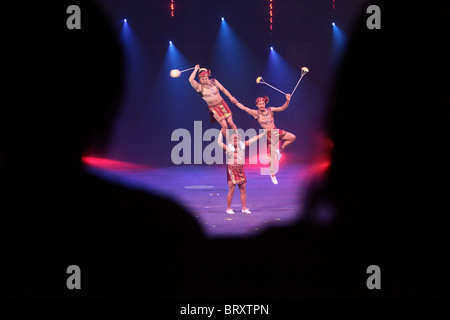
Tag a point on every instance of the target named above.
point(192, 80)
point(219, 141)
point(251, 112)
point(225, 91)
point(255, 138)
point(284, 106)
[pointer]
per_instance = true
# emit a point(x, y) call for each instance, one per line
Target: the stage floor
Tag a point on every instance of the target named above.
point(202, 190)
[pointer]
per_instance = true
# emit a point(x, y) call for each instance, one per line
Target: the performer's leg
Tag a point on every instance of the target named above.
point(231, 188)
point(272, 164)
point(223, 124)
point(231, 123)
point(226, 133)
point(242, 188)
point(288, 138)
point(272, 159)
point(234, 127)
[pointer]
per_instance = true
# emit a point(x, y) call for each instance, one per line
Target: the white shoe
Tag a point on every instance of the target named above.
point(274, 179)
point(231, 147)
point(241, 145)
point(246, 211)
point(278, 154)
point(230, 211)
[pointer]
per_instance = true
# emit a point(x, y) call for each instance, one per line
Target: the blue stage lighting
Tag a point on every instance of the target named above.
point(223, 19)
point(339, 44)
point(271, 48)
point(170, 42)
point(124, 20)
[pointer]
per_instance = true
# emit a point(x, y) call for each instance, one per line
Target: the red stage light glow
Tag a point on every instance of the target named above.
point(111, 164)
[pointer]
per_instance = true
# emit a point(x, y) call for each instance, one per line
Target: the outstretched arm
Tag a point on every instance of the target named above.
point(192, 81)
point(219, 141)
point(255, 138)
point(284, 106)
point(225, 92)
point(251, 112)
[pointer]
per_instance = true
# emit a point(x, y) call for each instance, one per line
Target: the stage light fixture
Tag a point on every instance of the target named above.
point(333, 24)
point(271, 15)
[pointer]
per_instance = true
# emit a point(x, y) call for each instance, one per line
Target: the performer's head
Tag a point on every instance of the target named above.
point(234, 139)
point(261, 102)
point(203, 76)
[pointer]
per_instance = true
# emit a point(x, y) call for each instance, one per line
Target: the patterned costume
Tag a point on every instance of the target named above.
point(235, 165)
point(267, 119)
point(219, 111)
point(236, 174)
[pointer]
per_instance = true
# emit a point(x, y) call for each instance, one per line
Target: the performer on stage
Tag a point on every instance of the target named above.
point(235, 158)
point(209, 91)
point(264, 115)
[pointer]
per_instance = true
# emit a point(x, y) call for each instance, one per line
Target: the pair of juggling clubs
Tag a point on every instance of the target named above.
point(175, 73)
point(303, 71)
